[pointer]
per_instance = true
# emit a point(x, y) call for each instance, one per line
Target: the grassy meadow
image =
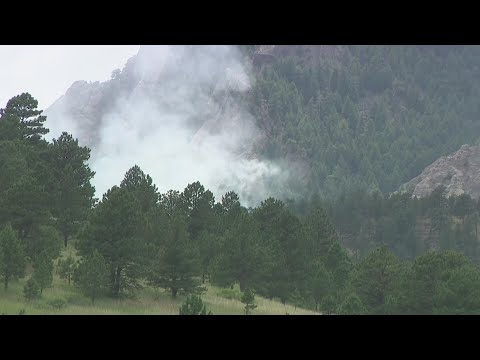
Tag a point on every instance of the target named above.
point(147, 301)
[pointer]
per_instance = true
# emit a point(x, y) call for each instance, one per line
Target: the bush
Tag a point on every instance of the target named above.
point(231, 294)
point(31, 290)
point(193, 305)
point(57, 303)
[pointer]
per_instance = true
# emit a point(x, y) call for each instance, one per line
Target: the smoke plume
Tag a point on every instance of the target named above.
point(181, 118)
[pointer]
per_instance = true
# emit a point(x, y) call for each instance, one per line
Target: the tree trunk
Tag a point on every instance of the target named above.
point(6, 283)
point(65, 240)
point(203, 278)
point(117, 281)
point(174, 292)
point(112, 279)
point(69, 276)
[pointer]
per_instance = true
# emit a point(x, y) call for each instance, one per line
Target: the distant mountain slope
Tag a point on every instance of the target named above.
point(369, 117)
point(366, 116)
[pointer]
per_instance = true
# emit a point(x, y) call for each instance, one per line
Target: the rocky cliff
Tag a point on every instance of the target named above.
point(458, 172)
point(157, 77)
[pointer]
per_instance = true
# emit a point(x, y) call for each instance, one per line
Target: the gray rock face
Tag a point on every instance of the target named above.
point(152, 78)
point(81, 107)
point(458, 172)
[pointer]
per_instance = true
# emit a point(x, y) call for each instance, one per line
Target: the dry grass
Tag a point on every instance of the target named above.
point(147, 301)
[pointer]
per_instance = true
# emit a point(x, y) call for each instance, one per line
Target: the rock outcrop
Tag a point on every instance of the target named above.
point(458, 172)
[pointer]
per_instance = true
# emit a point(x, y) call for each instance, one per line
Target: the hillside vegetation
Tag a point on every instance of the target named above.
point(369, 117)
point(369, 124)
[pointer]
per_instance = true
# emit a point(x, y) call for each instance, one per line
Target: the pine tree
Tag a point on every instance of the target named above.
point(115, 231)
point(91, 276)
point(193, 305)
point(70, 183)
point(351, 305)
point(248, 299)
point(176, 266)
point(12, 258)
point(24, 107)
point(43, 271)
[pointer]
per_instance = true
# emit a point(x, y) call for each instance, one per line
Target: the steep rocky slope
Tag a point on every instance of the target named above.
point(459, 173)
point(147, 82)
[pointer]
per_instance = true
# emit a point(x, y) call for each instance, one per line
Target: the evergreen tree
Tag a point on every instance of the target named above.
point(70, 177)
point(43, 271)
point(142, 187)
point(91, 276)
point(193, 305)
point(114, 230)
point(248, 299)
point(24, 108)
point(12, 258)
point(176, 265)
point(351, 305)
point(375, 278)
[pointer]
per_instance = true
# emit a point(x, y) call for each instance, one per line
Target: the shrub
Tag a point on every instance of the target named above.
point(31, 290)
point(57, 303)
point(193, 305)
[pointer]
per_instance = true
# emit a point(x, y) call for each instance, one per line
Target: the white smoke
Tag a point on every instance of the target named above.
point(182, 123)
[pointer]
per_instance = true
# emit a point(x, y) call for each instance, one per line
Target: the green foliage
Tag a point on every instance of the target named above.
point(142, 187)
point(371, 110)
point(70, 184)
point(43, 239)
point(66, 268)
point(114, 230)
point(351, 305)
point(248, 299)
point(193, 305)
point(43, 271)
point(57, 303)
point(329, 304)
point(231, 293)
point(428, 276)
point(242, 255)
point(12, 258)
point(31, 290)
point(24, 205)
point(91, 275)
point(24, 108)
point(321, 284)
point(175, 265)
point(375, 278)
point(370, 116)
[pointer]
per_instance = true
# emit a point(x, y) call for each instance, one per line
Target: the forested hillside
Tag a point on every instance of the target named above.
point(368, 117)
point(364, 120)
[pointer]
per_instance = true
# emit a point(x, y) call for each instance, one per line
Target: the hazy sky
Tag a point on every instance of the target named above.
point(47, 71)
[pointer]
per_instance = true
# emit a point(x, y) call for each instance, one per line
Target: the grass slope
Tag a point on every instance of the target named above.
point(147, 301)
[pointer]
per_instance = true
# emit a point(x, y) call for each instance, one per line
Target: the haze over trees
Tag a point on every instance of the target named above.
point(348, 246)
